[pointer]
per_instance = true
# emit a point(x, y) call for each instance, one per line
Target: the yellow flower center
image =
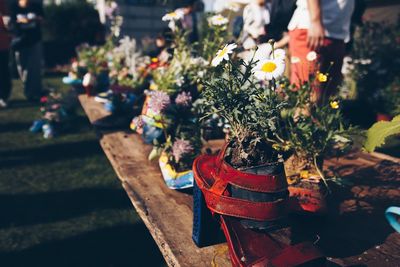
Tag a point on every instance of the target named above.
point(269, 67)
point(173, 14)
point(223, 52)
point(334, 104)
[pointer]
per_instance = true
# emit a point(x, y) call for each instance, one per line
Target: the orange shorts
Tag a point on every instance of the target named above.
point(329, 60)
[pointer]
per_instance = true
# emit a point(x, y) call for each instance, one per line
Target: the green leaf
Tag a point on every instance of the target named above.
point(377, 134)
point(155, 153)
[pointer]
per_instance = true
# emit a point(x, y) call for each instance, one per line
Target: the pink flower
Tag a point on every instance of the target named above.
point(184, 99)
point(158, 101)
point(181, 148)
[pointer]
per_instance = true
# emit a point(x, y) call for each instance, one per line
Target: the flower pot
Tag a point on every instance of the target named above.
point(276, 169)
point(307, 190)
point(173, 179)
point(149, 117)
point(88, 84)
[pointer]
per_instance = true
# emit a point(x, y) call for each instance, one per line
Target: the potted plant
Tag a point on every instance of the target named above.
point(176, 161)
point(314, 131)
point(245, 185)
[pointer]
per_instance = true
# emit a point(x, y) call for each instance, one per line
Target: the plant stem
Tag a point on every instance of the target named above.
point(321, 174)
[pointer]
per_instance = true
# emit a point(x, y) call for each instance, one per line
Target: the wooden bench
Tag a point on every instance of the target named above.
point(354, 233)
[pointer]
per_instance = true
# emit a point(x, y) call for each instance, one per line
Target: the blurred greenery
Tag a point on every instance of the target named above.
point(60, 201)
point(74, 21)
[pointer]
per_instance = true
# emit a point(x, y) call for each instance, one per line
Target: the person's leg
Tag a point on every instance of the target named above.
point(300, 67)
point(33, 83)
point(21, 60)
point(331, 57)
point(5, 77)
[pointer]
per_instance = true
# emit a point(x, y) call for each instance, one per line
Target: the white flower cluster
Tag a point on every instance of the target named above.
point(218, 20)
point(173, 17)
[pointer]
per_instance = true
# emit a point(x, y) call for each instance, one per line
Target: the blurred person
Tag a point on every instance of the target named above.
point(162, 50)
point(191, 10)
point(27, 17)
point(5, 40)
point(280, 14)
point(322, 26)
point(255, 18)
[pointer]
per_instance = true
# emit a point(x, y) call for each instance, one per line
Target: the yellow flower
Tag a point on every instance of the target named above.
point(153, 86)
point(276, 146)
point(322, 77)
point(334, 104)
point(286, 146)
point(304, 174)
point(154, 60)
point(283, 147)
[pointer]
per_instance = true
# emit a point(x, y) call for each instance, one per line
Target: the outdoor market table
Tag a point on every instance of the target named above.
point(355, 231)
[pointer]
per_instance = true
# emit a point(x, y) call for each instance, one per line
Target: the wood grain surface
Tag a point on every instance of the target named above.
point(354, 233)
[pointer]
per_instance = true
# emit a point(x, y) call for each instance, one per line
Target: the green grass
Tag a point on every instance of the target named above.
point(60, 201)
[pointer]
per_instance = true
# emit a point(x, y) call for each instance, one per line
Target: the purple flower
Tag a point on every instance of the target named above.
point(184, 99)
point(181, 148)
point(158, 101)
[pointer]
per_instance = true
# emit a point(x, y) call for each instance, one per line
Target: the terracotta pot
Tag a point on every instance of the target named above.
point(307, 190)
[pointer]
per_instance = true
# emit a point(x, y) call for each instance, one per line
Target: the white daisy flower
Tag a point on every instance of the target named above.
point(223, 54)
point(263, 52)
point(311, 56)
point(174, 16)
point(269, 69)
point(218, 20)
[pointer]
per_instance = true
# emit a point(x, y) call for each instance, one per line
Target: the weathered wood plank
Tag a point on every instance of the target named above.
point(355, 232)
point(166, 213)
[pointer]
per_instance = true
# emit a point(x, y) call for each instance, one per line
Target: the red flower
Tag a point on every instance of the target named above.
point(43, 99)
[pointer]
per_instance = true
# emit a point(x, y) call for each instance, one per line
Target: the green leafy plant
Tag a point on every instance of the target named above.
point(313, 131)
point(251, 108)
point(381, 130)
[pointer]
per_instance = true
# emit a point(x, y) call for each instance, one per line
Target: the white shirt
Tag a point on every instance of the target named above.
point(336, 17)
point(255, 17)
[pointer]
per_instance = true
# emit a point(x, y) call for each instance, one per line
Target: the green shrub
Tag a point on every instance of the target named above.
point(72, 22)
